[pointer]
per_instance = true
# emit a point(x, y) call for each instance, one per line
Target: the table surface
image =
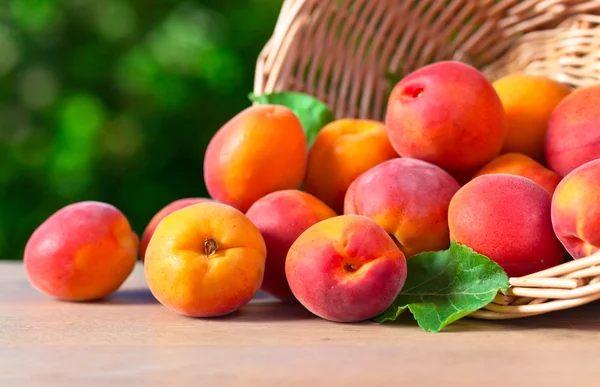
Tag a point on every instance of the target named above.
point(132, 340)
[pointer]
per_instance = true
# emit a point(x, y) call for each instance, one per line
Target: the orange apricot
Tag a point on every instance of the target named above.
point(205, 260)
point(262, 149)
point(343, 150)
point(528, 102)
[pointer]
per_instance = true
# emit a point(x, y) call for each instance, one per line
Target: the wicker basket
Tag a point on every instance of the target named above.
point(345, 52)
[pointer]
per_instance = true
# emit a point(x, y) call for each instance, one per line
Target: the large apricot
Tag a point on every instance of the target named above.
point(576, 210)
point(261, 150)
point(205, 260)
point(446, 113)
point(82, 252)
point(281, 217)
point(345, 269)
point(573, 136)
point(522, 165)
point(160, 215)
point(528, 102)
point(409, 198)
point(343, 150)
point(506, 218)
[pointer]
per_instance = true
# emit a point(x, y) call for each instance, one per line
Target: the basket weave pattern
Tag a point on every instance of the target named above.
point(350, 53)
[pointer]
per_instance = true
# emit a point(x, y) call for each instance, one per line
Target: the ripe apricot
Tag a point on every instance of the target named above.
point(448, 114)
point(576, 210)
point(345, 269)
point(508, 219)
point(82, 252)
point(409, 198)
point(528, 102)
point(205, 260)
point(261, 150)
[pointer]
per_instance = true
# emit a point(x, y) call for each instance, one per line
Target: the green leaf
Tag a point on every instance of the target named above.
point(444, 286)
point(313, 113)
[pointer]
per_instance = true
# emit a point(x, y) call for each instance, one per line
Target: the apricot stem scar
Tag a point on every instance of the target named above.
point(210, 246)
point(350, 268)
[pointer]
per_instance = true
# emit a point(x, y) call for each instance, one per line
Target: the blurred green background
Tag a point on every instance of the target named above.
point(116, 100)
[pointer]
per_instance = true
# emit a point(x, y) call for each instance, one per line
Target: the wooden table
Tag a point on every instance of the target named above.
point(131, 340)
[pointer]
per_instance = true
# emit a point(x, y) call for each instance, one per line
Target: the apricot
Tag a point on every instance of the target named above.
point(573, 136)
point(506, 218)
point(528, 102)
point(576, 210)
point(261, 150)
point(448, 114)
point(343, 150)
point(160, 215)
point(409, 198)
point(345, 269)
point(205, 260)
point(82, 252)
point(522, 165)
point(281, 217)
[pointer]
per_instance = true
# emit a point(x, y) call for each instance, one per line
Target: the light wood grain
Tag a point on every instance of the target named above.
point(131, 340)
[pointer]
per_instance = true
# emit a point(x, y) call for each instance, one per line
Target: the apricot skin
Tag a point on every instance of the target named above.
point(409, 198)
point(192, 279)
point(576, 210)
point(282, 217)
point(506, 218)
point(448, 114)
point(262, 149)
point(82, 252)
point(345, 269)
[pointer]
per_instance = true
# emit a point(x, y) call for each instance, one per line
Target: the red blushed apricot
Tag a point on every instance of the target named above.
point(345, 269)
point(447, 114)
point(576, 210)
point(281, 217)
point(160, 215)
point(573, 136)
point(409, 198)
point(343, 150)
point(82, 252)
point(261, 150)
point(506, 218)
point(522, 165)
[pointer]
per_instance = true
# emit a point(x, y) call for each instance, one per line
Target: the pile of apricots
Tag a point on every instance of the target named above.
point(509, 168)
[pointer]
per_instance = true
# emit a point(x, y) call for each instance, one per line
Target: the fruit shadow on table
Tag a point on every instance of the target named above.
point(264, 308)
